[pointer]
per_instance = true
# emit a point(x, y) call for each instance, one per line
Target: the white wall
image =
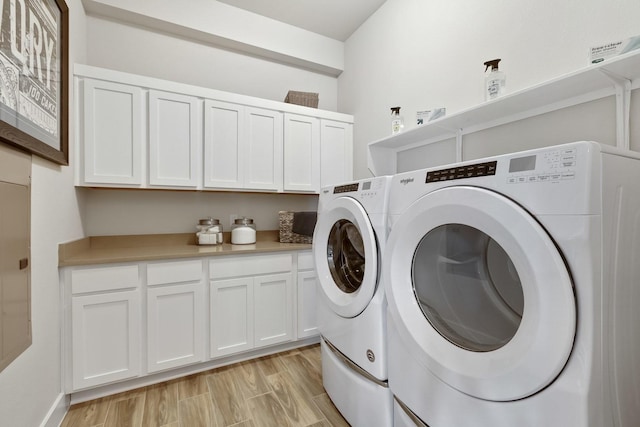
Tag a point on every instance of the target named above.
point(30, 388)
point(150, 212)
point(161, 55)
point(421, 54)
point(223, 25)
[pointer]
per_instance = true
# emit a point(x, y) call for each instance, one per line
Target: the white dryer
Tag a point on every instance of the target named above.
point(347, 246)
point(512, 286)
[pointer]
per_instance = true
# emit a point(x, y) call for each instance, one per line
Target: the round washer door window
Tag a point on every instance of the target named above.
point(345, 252)
point(345, 255)
point(479, 293)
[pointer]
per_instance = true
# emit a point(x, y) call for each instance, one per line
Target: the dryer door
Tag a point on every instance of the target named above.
point(346, 256)
point(480, 293)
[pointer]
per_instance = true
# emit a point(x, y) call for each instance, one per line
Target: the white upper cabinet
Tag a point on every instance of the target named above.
point(336, 152)
point(113, 119)
point(263, 158)
point(224, 144)
point(175, 139)
point(242, 147)
point(301, 153)
point(201, 138)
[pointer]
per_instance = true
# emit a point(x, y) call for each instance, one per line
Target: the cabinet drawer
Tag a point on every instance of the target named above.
point(305, 261)
point(104, 278)
point(233, 266)
point(174, 272)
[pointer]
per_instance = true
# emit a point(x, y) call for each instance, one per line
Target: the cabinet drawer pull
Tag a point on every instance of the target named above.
point(24, 263)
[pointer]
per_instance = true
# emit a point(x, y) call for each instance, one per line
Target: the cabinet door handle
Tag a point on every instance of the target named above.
point(24, 263)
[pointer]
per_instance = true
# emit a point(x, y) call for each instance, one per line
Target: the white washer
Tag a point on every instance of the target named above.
point(513, 284)
point(347, 246)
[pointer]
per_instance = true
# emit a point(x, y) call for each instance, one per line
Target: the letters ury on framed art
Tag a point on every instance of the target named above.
point(34, 76)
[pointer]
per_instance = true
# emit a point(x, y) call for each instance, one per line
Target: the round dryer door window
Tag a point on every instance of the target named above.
point(467, 287)
point(479, 293)
point(345, 252)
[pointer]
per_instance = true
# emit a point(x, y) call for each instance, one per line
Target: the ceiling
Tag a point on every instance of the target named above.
point(337, 19)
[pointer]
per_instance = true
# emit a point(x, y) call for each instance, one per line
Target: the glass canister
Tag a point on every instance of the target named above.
point(209, 232)
point(243, 231)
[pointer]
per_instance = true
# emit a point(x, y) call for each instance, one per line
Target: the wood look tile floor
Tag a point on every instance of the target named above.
point(273, 391)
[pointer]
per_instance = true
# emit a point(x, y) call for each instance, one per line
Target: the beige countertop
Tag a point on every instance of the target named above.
point(114, 249)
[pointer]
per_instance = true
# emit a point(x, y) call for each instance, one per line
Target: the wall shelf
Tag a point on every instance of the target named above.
point(616, 76)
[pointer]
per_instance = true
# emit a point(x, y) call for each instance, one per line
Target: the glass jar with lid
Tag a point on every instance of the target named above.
point(209, 232)
point(243, 231)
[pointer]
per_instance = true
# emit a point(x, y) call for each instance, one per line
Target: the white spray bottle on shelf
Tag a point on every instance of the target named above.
point(495, 81)
point(397, 122)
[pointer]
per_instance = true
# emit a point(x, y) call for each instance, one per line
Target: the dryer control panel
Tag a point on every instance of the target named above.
point(542, 167)
point(459, 172)
point(546, 166)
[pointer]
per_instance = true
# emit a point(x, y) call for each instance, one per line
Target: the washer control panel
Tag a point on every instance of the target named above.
point(346, 188)
point(369, 188)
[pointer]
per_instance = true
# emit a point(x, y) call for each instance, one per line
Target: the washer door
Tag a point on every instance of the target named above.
point(480, 293)
point(346, 256)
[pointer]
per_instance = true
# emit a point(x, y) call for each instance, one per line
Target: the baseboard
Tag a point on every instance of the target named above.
point(57, 412)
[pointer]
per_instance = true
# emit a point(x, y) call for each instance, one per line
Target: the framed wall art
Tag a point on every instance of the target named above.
point(34, 77)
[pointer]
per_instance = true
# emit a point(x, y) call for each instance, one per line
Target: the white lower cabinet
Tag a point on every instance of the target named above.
point(126, 321)
point(175, 314)
point(307, 292)
point(231, 316)
point(106, 337)
point(253, 310)
point(105, 326)
point(273, 309)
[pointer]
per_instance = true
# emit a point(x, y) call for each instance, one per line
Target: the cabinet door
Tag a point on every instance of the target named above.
point(175, 326)
point(105, 338)
point(301, 153)
point(307, 288)
point(263, 156)
point(224, 144)
point(175, 139)
point(231, 316)
point(336, 152)
point(113, 133)
point(15, 295)
point(273, 309)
